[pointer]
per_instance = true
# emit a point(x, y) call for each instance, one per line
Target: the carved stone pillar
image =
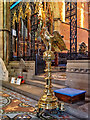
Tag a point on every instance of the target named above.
point(89, 30)
point(4, 30)
point(1, 32)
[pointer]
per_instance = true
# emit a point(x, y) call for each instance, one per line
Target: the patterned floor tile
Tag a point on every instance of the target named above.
point(16, 106)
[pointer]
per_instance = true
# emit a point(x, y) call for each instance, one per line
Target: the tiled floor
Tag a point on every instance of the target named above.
point(18, 96)
point(16, 105)
point(13, 103)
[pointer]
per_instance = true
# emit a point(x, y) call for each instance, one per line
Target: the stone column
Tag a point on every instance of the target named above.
point(4, 30)
point(89, 30)
point(1, 27)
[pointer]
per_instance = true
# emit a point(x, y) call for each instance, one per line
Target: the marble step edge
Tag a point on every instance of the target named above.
point(76, 113)
point(23, 92)
point(42, 84)
point(61, 82)
point(28, 94)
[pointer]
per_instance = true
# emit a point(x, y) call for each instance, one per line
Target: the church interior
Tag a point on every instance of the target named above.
point(44, 60)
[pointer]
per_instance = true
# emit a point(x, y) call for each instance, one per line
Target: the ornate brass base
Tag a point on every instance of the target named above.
point(48, 100)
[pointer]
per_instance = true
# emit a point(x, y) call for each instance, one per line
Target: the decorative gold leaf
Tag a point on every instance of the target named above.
point(58, 41)
point(55, 39)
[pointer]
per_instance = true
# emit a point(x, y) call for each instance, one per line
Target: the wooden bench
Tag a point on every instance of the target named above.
point(70, 95)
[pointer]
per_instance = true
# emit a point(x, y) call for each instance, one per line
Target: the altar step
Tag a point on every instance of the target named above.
point(33, 91)
point(34, 87)
point(39, 81)
point(41, 84)
point(57, 81)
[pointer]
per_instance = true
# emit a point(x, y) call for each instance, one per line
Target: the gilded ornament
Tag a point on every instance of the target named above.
point(48, 101)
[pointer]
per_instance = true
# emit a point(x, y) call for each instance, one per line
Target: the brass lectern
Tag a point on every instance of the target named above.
point(53, 43)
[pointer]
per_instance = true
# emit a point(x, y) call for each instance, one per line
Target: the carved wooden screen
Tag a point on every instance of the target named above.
point(23, 27)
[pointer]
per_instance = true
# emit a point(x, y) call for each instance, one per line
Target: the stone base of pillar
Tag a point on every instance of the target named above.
point(77, 74)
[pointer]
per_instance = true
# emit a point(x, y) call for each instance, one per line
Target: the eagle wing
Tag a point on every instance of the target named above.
point(57, 42)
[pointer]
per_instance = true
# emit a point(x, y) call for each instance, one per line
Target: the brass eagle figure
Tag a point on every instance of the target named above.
point(53, 42)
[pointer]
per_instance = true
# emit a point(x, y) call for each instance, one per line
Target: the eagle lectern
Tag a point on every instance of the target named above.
point(53, 43)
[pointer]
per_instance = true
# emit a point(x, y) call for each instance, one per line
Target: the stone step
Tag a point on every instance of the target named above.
point(13, 65)
point(36, 92)
point(31, 91)
point(56, 81)
point(41, 84)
